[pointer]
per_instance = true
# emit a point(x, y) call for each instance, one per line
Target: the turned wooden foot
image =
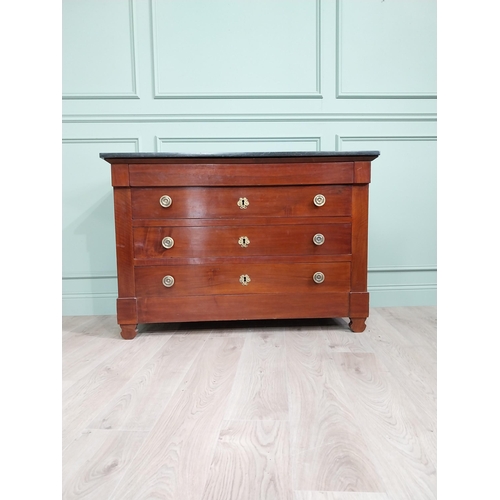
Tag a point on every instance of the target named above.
point(357, 325)
point(128, 331)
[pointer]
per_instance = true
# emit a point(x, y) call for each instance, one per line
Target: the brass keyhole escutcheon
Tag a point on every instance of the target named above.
point(165, 201)
point(319, 200)
point(168, 281)
point(243, 203)
point(167, 242)
point(244, 241)
point(318, 277)
point(318, 239)
point(245, 279)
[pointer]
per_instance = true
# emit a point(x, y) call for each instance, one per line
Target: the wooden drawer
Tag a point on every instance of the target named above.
point(224, 279)
point(241, 307)
point(279, 201)
point(223, 241)
point(226, 172)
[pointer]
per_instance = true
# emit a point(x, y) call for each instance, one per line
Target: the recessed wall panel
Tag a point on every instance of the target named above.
point(220, 49)
point(98, 49)
point(386, 49)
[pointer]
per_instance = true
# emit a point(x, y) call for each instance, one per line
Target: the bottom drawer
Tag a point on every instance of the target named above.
point(247, 279)
point(242, 307)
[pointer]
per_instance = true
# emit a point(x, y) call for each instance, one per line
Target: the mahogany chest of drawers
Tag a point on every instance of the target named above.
point(240, 236)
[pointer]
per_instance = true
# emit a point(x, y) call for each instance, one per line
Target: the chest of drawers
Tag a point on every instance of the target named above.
point(240, 236)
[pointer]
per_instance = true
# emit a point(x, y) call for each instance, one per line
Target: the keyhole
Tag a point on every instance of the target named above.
point(244, 241)
point(245, 279)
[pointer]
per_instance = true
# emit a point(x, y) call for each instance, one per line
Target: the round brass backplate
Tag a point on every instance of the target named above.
point(165, 201)
point(319, 200)
point(168, 281)
point(318, 277)
point(318, 239)
point(167, 242)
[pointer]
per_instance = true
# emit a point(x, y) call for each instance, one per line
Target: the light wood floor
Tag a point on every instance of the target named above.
point(288, 410)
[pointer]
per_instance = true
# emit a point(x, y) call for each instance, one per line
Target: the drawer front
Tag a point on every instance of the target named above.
point(241, 241)
point(231, 279)
point(201, 203)
point(242, 173)
point(241, 307)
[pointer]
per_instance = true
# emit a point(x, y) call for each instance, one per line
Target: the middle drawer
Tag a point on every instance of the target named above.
point(248, 278)
point(241, 241)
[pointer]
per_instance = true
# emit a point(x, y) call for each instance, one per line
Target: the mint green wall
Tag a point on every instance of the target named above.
point(252, 75)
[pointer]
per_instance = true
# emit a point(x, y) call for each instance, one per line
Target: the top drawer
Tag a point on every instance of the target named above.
point(220, 202)
point(226, 172)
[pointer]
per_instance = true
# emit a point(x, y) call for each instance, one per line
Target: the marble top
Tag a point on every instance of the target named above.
point(282, 154)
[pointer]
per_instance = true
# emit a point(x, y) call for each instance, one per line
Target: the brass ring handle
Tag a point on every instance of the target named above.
point(167, 242)
point(319, 200)
point(244, 241)
point(165, 201)
point(168, 281)
point(318, 239)
point(318, 277)
point(243, 203)
point(245, 279)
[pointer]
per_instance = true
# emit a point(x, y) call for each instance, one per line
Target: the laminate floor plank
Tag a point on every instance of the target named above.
point(426, 321)
point(86, 347)
point(328, 449)
point(79, 365)
point(94, 463)
point(140, 402)
point(70, 322)
point(332, 495)
point(66, 384)
point(86, 397)
point(427, 361)
point(406, 365)
point(391, 335)
point(416, 331)
point(174, 462)
point(251, 461)
point(229, 333)
point(81, 323)
point(259, 390)
point(382, 337)
point(84, 329)
point(341, 339)
point(426, 313)
point(403, 448)
point(423, 336)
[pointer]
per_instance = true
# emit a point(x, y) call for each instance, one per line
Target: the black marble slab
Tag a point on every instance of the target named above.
point(287, 154)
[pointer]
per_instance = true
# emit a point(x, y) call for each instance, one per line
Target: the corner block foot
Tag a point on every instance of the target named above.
point(128, 331)
point(357, 325)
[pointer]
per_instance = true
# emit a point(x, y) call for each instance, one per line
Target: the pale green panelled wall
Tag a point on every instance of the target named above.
point(252, 75)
